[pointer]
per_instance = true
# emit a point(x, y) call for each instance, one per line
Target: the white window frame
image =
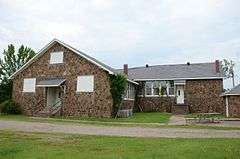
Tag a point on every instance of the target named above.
point(27, 82)
point(86, 80)
point(56, 57)
point(152, 91)
point(129, 92)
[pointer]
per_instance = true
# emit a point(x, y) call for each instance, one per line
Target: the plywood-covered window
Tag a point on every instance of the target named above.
point(29, 84)
point(56, 57)
point(85, 83)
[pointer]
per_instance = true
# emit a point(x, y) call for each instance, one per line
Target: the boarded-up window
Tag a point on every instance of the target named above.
point(56, 57)
point(85, 83)
point(29, 84)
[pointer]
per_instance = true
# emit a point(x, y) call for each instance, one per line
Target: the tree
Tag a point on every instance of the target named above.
point(118, 87)
point(228, 69)
point(10, 63)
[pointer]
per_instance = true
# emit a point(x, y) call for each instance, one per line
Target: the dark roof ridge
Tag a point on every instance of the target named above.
point(199, 63)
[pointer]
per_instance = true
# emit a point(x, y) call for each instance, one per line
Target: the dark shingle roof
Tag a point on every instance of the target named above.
point(51, 82)
point(234, 91)
point(177, 71)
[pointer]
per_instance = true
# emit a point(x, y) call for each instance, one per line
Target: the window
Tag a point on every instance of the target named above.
point(163, 88)
point(85, 83)
point(130, 92)
point(156, 88)
point(29, 84)
point(171, 88)
point(148, 88)
point(56, 57)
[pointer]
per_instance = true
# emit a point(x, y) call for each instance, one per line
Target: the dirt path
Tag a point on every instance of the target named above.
point(177, 120)
point(118, 131)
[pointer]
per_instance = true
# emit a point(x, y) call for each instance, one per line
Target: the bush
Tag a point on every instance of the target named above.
point(118, 87)
point(10, 107)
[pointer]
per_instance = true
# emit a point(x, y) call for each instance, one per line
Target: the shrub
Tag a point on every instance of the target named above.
point(10, 107)
point(118, 86)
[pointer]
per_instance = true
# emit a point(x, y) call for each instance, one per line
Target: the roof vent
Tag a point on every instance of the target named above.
point(146, 65)
point(188, 63)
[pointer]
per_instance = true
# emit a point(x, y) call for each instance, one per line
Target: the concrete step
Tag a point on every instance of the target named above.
point(180, 109)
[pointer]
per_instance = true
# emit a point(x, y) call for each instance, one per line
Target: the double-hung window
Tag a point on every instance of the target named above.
point(159, 88)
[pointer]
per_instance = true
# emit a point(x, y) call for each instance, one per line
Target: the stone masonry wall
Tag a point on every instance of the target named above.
point(127, 104)
point(234, 106)
point(97, 103)
point(203, 96)
point(156, 104)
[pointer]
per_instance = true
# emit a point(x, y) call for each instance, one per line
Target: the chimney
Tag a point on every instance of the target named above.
point(125, 69)
point(217, 66)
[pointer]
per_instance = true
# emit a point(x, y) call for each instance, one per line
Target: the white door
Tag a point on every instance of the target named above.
point(180, 95)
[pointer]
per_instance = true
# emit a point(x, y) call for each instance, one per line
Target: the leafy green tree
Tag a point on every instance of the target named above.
point(118, 87)
point(10, 63)
point(228, 69)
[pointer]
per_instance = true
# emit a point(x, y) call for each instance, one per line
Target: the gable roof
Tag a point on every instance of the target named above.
point(105, 67)
point(234, 91)
point(173, 72)
point(54, 41)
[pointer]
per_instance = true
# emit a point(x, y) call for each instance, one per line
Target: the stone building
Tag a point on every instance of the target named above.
point(63, 80)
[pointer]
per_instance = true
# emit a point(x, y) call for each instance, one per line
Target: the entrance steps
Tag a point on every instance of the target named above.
point(180, 109)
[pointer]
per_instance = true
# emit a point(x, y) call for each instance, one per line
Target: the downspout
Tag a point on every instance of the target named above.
point(227, 110)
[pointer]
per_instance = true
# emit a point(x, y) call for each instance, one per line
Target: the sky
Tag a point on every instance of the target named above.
point(136, 32)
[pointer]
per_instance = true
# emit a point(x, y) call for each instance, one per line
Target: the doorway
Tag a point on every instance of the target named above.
point(53, 96)
point(180, 94)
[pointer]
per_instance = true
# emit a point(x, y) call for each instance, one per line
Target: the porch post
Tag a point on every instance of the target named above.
point(227, 111)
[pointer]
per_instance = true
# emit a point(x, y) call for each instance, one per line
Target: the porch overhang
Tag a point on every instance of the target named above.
point(56, 82)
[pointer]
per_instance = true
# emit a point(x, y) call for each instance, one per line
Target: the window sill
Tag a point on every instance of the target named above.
point(128, 99)
point(157, 96)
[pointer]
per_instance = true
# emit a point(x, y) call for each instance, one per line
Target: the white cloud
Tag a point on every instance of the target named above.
point(128, 31)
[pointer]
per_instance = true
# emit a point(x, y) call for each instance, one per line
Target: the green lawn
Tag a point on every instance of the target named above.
point(116, 122)
point(18, 145)
point(154, 117)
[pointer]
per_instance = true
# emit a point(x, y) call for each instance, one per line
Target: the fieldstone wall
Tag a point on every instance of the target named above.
point(127, 104)
point(203, 96)
point(97, 103)
point(234, 106)
point(156, 104)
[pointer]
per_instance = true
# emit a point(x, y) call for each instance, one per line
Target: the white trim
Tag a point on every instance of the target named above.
point(132, 82)
point(170, 79)
point(47, 85)
point(157, 96)
point(45, 48)
point(128, 99)
point(231, 95)
point(227, 106)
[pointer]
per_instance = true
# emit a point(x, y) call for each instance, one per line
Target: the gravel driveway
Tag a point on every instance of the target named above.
point(118, 131)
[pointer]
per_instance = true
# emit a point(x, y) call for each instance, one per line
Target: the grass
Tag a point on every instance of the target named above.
point(196, 115)
point(18, 145)
point(153, 117)
point(109, 122)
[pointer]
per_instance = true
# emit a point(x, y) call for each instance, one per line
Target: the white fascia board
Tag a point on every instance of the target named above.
point(168, 79)
point(80, 53)
point(231, 95)
point(43, 50)
point(132, 81)
point(34, 58)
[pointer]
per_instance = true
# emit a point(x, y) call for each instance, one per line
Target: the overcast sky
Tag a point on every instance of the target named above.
point(128, 31)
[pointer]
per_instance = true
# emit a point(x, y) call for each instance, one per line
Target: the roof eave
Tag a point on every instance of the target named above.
point(43, 50)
